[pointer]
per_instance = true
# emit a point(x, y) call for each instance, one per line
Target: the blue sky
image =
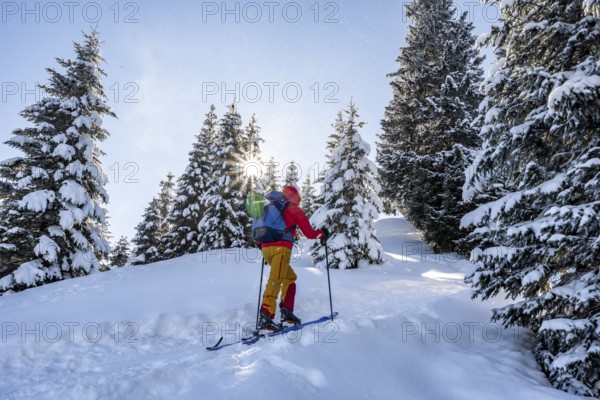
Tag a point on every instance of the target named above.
point(294, 64)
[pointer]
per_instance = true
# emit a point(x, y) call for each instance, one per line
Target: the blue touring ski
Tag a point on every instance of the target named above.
point(256, 336)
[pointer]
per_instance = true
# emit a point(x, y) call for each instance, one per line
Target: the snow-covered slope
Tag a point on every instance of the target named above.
point(406, 330)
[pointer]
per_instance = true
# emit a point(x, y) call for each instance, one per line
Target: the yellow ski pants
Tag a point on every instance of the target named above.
point(282, 278)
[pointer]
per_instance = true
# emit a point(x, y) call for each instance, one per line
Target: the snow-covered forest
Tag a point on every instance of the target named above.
point(477, 205)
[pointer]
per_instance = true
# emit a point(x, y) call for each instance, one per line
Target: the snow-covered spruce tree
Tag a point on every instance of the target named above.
point(332, 143)
point(309, 201)
point(292, 175)
point(223, 224)
point(120, 253)
point(150, 234)
point(351, 203)
point(104, 258)
point(427, 140)
point(191, 185)
point(537, 185)
point(252, 167)
point(336, 137)
point(272, 178)
point(146, 239)
point(308, 197)
point(52, 197)
point(166, 198)
point(252, 163)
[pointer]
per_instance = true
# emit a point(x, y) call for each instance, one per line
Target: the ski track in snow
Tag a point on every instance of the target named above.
point(406, 330)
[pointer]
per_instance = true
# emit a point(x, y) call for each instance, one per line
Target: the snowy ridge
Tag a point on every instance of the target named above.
point(407, 329)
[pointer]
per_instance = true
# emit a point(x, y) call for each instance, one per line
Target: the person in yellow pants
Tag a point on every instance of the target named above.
point(282, 278)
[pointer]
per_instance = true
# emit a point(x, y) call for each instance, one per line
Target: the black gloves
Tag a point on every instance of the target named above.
point(325, 235)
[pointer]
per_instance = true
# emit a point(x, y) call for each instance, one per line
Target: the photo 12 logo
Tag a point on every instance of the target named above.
point(256, 170)
point(317, 333)
point(24, 92)
point(253, 92)
point(270, 11)
point(70, 332)
point(69, 11)
point(476, 10)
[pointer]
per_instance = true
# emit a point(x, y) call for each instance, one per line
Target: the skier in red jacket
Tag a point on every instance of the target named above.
point(282, 277)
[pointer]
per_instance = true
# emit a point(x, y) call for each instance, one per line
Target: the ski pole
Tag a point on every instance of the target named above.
point(262, 269)
point(328, 280)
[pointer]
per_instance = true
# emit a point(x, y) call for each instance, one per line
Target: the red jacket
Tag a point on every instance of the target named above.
point(295, 217)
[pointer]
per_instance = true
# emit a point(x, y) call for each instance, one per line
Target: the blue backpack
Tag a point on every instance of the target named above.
point(270, 226)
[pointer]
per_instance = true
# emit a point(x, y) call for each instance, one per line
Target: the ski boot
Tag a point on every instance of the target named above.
point(265, 322)
point(288, 317)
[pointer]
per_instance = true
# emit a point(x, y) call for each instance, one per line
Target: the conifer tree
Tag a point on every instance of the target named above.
point(427, 140)
point(104, 258)
point(151, 232)
point(120, 253)
point(191, 186)
point(292, 175)
point(272, 178)
point(309, 204)
point(224, 222)
point(146, 240)
point(336, 136)
point(252, 160)
point(252, 166)
point(165, 205)
point(351, 203)
point(333, 142)
point(53, 196)
point(536, 183)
